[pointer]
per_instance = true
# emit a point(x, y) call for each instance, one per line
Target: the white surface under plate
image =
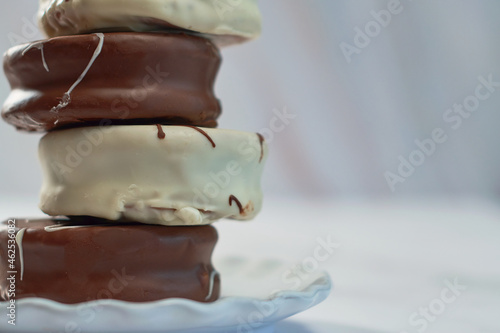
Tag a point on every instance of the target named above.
point(254, 297)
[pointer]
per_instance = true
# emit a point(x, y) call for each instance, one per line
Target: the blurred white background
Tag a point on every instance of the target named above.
point(353, 120)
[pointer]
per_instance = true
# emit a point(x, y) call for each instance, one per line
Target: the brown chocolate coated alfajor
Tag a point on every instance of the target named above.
point(84, 259)
point(112, 78)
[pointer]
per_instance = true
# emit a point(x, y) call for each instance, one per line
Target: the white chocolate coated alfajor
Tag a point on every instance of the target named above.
point(169, 175)
point(226, 22)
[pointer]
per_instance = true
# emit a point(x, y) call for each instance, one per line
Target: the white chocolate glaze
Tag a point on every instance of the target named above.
point(211, 285)
point(19, 242)
point(192, 176)
point(227, 21)
point(66, 99)
point(38, 45)
point(57, 227)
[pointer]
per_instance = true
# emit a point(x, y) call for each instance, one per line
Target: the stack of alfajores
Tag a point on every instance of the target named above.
point(134, 170)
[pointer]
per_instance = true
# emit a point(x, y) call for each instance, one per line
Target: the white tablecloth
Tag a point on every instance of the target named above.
point(392, 260)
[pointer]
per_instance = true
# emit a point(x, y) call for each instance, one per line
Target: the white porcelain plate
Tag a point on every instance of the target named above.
point(255, 295)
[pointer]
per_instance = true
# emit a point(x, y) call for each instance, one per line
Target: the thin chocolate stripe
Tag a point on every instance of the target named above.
point(261, 141)
point(161, 134)
point(202, 132)
point(238, 203)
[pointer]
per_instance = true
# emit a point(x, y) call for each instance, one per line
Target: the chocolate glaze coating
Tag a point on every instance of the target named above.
point(130, 262)
point(136, 78)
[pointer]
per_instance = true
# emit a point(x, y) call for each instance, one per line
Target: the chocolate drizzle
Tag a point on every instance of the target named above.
point(238, 203)
point(202, 132)
point(161, 134)
point(66, 98)
point(37, 45)
point(97, 252)
point(164, 66)
point(261, 141)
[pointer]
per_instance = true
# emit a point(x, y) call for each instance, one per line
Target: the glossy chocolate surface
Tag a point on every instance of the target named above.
point(130, 262)
point(112, 78)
